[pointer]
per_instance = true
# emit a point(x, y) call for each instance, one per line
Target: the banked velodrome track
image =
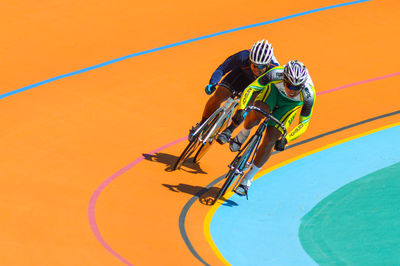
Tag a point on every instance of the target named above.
point(97, 99)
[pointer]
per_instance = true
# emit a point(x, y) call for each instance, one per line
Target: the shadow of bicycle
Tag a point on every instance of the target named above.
point(204, 195)
point(169, 160)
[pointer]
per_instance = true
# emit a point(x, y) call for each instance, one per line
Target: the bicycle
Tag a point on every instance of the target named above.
point(205, 135)
point(245, 156)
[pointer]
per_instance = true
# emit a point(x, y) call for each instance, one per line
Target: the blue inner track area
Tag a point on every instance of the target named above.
point(264, 229)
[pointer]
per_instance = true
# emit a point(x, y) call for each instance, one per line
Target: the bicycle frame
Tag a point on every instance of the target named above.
point(205, 134)
point(227, 109)
point(258, 136)
point(246, 155)
point(207, 131)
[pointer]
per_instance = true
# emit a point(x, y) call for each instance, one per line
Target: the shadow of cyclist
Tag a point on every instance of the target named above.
point(206, 196)
point(169, 160)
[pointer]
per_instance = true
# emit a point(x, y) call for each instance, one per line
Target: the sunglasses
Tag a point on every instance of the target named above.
point(259, 66)
point(292, 87)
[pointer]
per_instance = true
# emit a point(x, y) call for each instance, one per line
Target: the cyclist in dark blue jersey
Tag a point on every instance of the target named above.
point(240, 70)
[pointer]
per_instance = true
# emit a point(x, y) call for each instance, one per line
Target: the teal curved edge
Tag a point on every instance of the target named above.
point(357, 224)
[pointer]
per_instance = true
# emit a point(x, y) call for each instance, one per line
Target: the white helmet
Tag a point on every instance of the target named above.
point(295, 72)
point(261, 53)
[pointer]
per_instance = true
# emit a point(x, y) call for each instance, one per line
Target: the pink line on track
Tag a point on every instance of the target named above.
point(359, 83)
point(96, 194)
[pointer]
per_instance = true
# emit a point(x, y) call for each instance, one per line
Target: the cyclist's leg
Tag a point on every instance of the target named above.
point(266, 100)
point(239, 115)
point(264, 151)
point(272, 134)
point(285, 113)
point(248, 96)
point(226, 89)
point(252, 120)
point(254, 117)
point(222, 94)
point(238, 85)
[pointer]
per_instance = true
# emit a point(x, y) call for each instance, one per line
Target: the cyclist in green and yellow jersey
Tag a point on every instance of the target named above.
point(283, 98)
point(247, 98)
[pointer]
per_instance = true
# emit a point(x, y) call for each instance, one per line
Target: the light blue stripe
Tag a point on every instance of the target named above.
point(264, 229)
point(174, 45)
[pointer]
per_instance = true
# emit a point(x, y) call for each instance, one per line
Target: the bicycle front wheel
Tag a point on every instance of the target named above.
point(232, 174)
point(202, 151)
point(190, 148)
point(237, 166)
point(205, 146)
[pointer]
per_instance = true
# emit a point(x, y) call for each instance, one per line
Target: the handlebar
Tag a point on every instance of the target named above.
point(268, 116)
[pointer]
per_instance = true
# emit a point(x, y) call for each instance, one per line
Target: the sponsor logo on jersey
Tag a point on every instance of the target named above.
point(296, 130)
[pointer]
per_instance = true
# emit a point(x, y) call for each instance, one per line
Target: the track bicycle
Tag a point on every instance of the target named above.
point(205, 135)
point(245, 156)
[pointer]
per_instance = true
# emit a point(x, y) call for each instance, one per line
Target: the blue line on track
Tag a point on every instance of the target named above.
point(177, 44)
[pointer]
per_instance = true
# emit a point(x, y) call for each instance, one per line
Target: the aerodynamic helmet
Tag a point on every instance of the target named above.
point(261, 53)
point(295, 72)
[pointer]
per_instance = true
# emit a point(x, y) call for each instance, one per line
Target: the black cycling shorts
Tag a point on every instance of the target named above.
point(236, 81)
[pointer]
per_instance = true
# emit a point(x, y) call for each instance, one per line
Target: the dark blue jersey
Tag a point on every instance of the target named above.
point(240, 61)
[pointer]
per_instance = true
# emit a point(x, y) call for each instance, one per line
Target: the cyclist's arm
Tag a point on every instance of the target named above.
point(305, 115)
point(246, 96)
point(236, 60)
point(299, 129)
point(259, 84)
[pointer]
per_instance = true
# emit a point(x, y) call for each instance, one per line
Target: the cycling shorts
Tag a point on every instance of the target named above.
point(236, 81)
point(283, 108)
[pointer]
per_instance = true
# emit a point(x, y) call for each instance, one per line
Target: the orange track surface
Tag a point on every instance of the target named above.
point(62, 140)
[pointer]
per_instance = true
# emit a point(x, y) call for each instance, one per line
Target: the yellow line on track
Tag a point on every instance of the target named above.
point(210, 214)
